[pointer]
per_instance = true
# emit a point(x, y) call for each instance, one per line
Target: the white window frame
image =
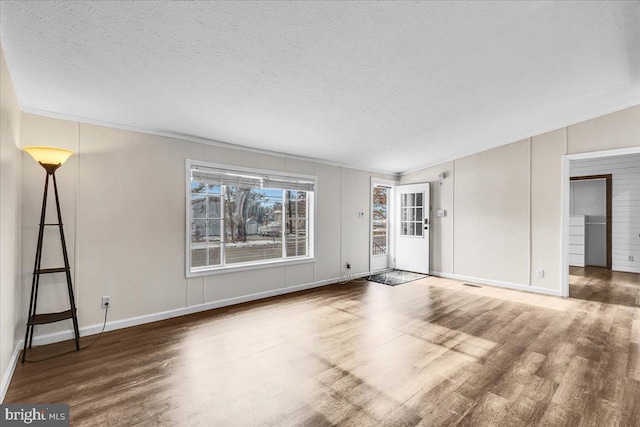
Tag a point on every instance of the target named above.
point(252, 265)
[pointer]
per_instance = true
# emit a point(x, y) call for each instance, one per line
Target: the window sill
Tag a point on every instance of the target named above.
point(245, 267)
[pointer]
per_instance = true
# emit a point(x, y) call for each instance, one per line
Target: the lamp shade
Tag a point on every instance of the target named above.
point(49, 155)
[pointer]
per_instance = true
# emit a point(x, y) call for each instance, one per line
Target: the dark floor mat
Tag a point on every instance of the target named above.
point(395, 277)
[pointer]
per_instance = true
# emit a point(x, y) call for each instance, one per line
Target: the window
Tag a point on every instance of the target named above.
point(380, 220)
point(411, 206)
point(240, 217)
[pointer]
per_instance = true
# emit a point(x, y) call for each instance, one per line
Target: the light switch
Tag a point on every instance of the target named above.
point(440, 213)
point(361, 215)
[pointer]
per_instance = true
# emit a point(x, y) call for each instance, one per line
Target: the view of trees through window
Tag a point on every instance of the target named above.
point(380, 222)
point(259, 224)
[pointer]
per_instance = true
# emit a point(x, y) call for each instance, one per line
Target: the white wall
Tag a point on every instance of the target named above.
point(504, 207)
point(491, 200)
point(123, 200)
point(10, 209)
point(625, 223)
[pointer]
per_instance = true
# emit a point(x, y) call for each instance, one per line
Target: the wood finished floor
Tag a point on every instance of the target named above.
point(426, 353)
point(602, 285)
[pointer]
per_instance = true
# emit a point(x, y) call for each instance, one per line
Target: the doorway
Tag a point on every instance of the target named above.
point(381, 235)
point(608, 272)
point(412, 227)
point(590, 222)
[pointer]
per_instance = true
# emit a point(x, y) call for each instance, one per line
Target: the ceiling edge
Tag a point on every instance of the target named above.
point(197, 139)
point(537, 133)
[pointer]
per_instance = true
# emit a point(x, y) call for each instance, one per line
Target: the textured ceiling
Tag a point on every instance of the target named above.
point(388, 86)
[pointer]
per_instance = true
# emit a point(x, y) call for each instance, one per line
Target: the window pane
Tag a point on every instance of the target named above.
point(214, 254)
point(213, 230)
point(380, 195)
point(233, 220)
point(198, 187)
point(411, 229)
point(261, 248)
point(418, 229)
point(253, 224)
point(198, 230)
point(198, 258)
point(296, 240)
point(418, 199)
point(214, 206)
point(198, 208)
point(301, 204)
point(296, 246)
point(419, 216)
point(379, 238)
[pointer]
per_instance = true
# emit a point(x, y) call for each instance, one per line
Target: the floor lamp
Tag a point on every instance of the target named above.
point(50, 159)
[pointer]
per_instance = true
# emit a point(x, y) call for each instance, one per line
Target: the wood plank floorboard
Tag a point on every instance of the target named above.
point(426, 353)
point(602, 285)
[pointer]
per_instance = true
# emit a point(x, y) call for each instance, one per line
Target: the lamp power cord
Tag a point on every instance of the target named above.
point(104, 325)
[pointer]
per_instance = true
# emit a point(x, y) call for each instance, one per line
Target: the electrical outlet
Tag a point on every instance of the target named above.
point(106, 301)
point(540, 273)
point(631, 258)
point(348, 265)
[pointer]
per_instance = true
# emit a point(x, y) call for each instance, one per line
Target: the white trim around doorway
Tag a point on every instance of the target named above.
point(566, 200)
point(390, 212)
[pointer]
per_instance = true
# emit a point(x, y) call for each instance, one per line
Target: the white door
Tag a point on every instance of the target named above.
point(412, 230)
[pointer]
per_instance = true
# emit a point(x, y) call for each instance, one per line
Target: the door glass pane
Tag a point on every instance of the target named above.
point(379, 215)
point(412, 215)
point(379, 238)
point(380, 196)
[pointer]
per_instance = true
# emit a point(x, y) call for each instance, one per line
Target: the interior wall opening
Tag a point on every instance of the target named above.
point(602, 227)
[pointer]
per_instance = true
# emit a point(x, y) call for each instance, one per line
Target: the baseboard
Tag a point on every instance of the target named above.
point(626, 269)
point(154, 317)
point(498, 283)
point(6, 378)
